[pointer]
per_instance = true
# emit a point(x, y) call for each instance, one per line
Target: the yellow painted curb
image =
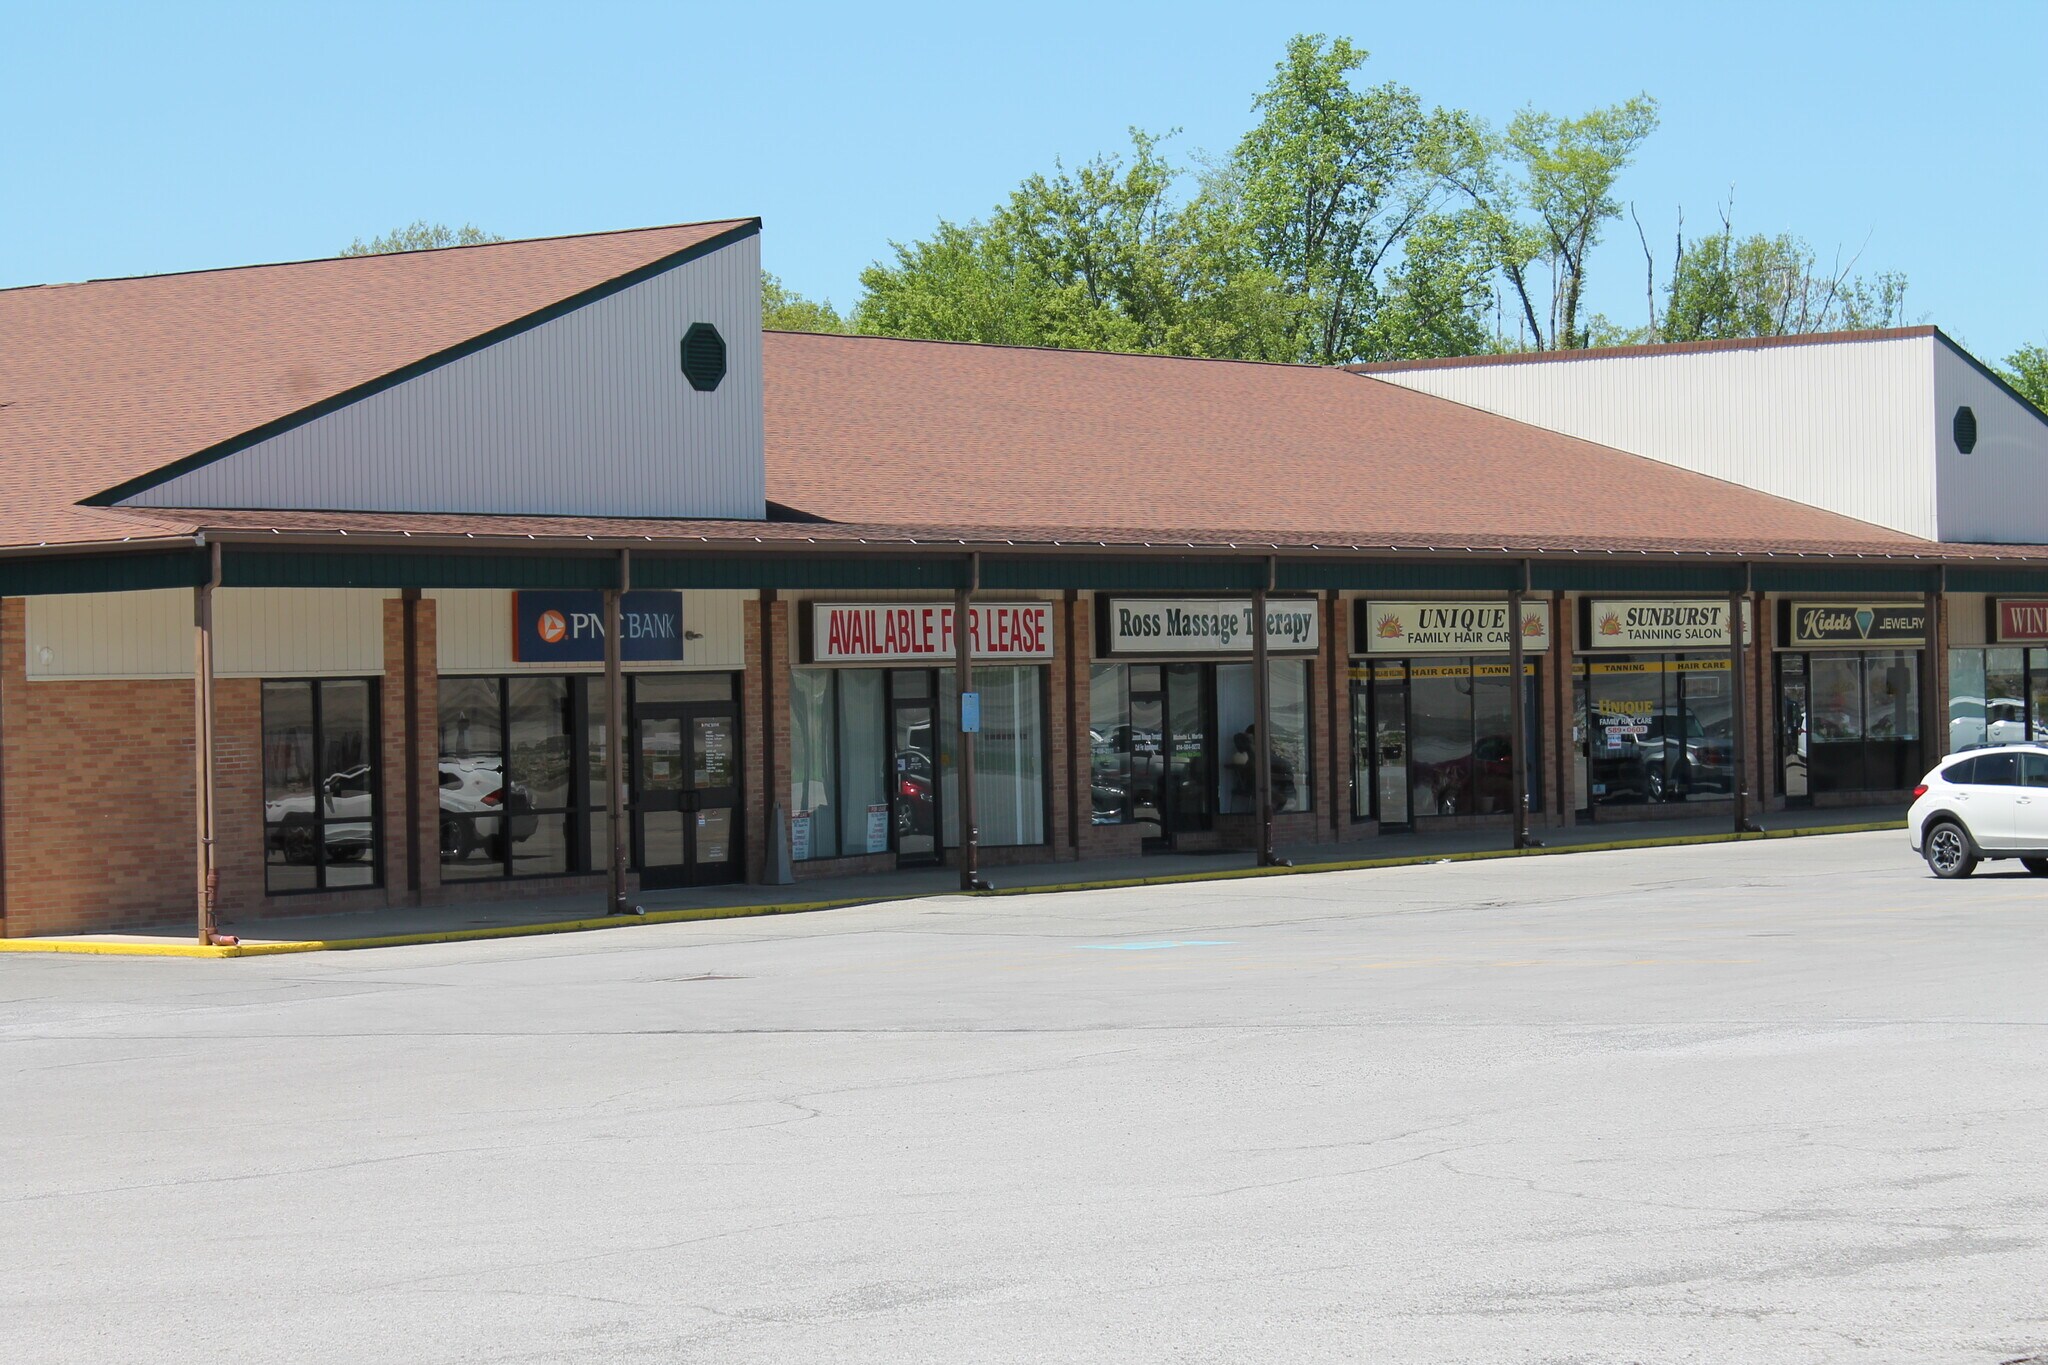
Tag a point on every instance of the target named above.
point(62, 945)
point(575, 926)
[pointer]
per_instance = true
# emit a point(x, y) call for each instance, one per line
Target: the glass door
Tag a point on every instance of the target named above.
point(712, 731)
point(686, 804)
point(1148, 758)
point(1793, 719)
point(914, 784)
point(1190, 777)
point(1390, 746)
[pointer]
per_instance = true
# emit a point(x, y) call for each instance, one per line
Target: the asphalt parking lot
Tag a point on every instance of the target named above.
point(1758, 1103)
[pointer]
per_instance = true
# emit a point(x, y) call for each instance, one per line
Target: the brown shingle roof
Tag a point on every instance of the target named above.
point(863, 429)
point(105, 381)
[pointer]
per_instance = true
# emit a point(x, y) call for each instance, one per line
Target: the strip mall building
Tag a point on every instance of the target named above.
point(308, 570)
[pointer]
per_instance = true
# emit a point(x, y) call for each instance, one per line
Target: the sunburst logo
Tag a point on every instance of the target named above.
point(1532, 626)
point(1610, 624)
point(1389, 627)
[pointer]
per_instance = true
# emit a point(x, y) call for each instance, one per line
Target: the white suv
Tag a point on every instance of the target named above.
point(1987, 803)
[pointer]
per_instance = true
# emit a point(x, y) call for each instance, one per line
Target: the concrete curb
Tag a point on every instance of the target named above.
point(577, 926)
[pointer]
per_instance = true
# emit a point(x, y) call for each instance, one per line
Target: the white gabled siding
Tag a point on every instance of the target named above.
point(585, 415)
point(1837, 425)
point(1995, 493)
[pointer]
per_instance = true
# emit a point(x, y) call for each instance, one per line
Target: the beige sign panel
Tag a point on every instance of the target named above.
point(1447, 628)
point(1662, 625)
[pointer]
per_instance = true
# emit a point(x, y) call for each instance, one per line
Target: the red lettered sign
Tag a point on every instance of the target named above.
point(905, 632)
point(2022, 620)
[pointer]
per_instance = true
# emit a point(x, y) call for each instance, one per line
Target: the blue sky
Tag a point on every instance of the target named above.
point(153, 138)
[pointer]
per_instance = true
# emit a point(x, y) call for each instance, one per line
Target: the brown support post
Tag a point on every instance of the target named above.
point(1333, 661)
point(777, 831)
point(1561, 666)
point(1262, 722)
point(409, 623)
point(614, 740)
point(963, 683)
point(202, 706)
point(1739, 717)
point(1518, 713)
point(1080, 774)
point(1933, 723)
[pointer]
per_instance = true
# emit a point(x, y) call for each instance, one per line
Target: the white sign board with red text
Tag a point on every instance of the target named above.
point(922, 632)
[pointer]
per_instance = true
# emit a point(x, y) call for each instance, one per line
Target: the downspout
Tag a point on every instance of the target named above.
point(409, 624)
point(1518, 713)
point(963, 683)
point(1262, 711)
point(1080, 782)
point(614, 741)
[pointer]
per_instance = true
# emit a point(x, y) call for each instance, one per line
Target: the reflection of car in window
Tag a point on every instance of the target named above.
point(345, 803)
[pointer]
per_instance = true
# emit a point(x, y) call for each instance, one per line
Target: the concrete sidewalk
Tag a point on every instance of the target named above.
point(517, 916)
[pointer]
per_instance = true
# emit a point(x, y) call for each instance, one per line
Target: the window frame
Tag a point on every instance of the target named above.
point(373, 725)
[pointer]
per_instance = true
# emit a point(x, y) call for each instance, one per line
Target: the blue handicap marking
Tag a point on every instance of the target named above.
point(1163, 943)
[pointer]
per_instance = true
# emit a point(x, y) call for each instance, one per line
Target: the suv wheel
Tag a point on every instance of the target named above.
point(2037, 866)
point(1948, 851)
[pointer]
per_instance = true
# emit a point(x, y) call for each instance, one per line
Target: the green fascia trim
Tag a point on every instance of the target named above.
point(1124, 575)
point(1841, 578)
point(2012, 580)
point(748, 572)
point(1686, 579)
point(138, 571)
point(324, 569)
point(1316, 575)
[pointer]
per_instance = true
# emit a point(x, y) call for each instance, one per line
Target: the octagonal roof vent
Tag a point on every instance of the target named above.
point(703, 357)
point(1966, 430)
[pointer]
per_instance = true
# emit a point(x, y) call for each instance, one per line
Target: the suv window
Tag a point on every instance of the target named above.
point(1961, 774)
point(1997, 770)
point(2034, 770)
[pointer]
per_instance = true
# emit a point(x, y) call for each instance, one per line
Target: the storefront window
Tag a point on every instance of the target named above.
point(864, 767)
point(1849, 722)
point(1659, 728)
point(844, 757)
point(1109, 744)
point(1438, 735)
point(1287, 700)
point(320, 785)
point(523, 775)
point(1009, 757)
point(813, 765)
point(536, 804)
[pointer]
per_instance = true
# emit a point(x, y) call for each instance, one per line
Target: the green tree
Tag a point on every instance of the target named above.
point(1107, 256)
point(1544, 191)
point(1758, 286)
point(2027, 370)
point(421, 235)
point(1331, 182)
point(785, 310)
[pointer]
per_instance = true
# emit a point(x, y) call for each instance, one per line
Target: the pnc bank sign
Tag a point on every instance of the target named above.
point(559, 626)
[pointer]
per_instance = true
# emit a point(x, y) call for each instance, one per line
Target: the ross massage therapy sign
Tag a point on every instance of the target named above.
point(1206, 625)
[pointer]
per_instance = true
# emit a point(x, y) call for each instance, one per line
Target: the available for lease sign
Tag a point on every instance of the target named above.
point(1137, 625)
point(1662, 625)
point(2022, 620)
point(1446, 628)
point(907, 632)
